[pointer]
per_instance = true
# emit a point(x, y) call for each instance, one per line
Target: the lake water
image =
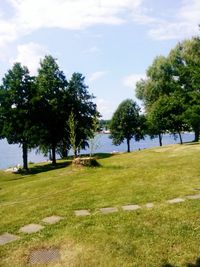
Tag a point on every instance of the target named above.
point(11, 155)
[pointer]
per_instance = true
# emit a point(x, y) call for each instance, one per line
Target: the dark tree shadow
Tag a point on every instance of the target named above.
point(191, 143)
point(196, 264)
point(103, 155)
point(96, 155)
point(43, 168)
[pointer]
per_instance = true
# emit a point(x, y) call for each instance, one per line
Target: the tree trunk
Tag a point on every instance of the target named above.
point(196, 135)
point(53, 154)
point(160, 139)
point(128, 145)
point(75, 153)
point(25, 156)
point(180, 137)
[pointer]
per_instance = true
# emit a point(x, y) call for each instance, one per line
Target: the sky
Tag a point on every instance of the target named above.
point(111, 42)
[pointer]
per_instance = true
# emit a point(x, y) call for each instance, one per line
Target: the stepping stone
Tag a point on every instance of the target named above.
point(149, 205)
point(131, 207)
point(31, 228)
point(52, 219)
point(82, 212)
point(193, 196)
point(109, 210)
point(175, 200)
point(7, 238)
point(44, 256)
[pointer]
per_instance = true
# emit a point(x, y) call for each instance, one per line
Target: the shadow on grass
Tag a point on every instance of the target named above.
point(96, 155)
point(196, 264)
point(103, 155)
point(191, 143)
point(43, 168)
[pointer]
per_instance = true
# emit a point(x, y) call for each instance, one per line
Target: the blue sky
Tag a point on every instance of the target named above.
point(111, 42)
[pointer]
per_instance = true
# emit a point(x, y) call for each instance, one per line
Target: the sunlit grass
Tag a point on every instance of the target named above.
point(146, 237)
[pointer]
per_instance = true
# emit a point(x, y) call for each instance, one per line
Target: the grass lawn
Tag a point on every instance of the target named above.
point(165, 235)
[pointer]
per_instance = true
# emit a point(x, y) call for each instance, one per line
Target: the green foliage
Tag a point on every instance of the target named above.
point(94, 142)
point(34, 112)
point(83, 108)
point(171, 91)
point(72, 133)
point(16, 109)
point(51, 104)
point(126, 123)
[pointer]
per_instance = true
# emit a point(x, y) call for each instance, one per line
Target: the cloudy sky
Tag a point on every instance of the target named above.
point(111, 42)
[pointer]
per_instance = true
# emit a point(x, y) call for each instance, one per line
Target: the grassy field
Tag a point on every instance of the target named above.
point(166, 235)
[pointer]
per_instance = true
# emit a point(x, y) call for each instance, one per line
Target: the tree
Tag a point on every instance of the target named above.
point(126, 123)
point(175, 78)
point(72, 133)
point(51, 105)
point(16, 109)
point(192, 113)
point(84, 110)
point(185, 59)
point(94, 142)
point(166, 114)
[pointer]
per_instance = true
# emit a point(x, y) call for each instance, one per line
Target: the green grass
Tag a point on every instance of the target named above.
point(166, 235)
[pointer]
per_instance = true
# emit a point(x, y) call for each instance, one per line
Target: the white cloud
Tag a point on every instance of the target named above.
point(71, 14)
point(183, 25)
point(97, 75)
point(31, 15)
point(29, 55)
point(92, 50)
point(131, 80)
point(105, 108)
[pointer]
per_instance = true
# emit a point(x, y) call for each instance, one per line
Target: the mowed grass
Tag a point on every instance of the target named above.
point(166, 235)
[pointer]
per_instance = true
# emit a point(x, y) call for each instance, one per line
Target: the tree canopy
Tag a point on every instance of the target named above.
point(172, 87)
point(126, 123)
point(35, 111)
point(16, 109)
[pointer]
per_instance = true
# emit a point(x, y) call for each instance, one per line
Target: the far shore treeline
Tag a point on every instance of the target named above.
point(55, 114)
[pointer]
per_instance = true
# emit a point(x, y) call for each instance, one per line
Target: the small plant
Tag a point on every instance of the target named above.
point(94, 143)
point(72, 133)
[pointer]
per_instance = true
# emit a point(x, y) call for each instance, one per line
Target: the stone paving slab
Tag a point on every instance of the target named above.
point(82, 212)
point(149, 205)
point(131, 207)
point(44, 256)
point(193, 196)
point(52, 219)
point(31, 228)
point(175, 200)
point(7, 238)
point(108, 210)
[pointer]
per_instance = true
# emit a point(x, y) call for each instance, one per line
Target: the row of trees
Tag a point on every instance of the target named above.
point(171, 98)
point(42, 111)
point(171, 91)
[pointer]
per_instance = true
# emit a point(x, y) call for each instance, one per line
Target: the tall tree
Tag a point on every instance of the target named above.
point(84, 110)
point(16, 109)
point(185, 59)
point(51, 104)
point(176, 78)
point(126, 123)
point(166, 114)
